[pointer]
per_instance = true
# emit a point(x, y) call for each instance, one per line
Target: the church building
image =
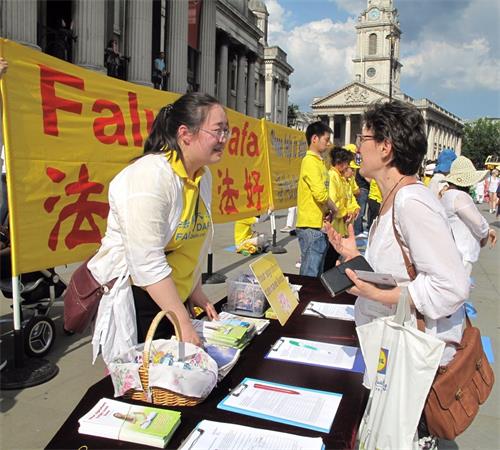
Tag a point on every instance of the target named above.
point(377, 76)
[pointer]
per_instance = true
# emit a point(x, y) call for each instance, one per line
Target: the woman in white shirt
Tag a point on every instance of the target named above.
point(492, 190)
point(392, 145)
point(470, 229)
point(159, 227)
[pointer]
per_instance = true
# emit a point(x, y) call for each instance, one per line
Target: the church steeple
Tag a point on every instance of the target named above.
point(377, 26)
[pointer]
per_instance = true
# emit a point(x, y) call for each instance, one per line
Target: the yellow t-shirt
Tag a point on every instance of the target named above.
point(243, 230)
point(374, 192)
point(184, 248)
point(312, 191)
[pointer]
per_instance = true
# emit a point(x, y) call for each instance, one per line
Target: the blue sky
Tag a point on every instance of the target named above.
point(450, 49)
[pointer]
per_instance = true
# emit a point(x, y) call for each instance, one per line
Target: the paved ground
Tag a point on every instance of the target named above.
point(30, 417)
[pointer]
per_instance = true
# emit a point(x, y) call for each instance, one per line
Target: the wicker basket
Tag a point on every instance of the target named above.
point(159, 396)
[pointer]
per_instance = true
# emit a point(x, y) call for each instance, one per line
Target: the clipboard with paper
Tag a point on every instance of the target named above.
point(315, 353)
point(292, 405)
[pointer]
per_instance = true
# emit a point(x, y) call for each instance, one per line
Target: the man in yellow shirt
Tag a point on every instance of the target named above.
point(313, 202)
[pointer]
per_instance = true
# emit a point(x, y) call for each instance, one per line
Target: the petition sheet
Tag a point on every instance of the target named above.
point(330, 311)
point(301, 407)
point(209, 435)
point(314, 352)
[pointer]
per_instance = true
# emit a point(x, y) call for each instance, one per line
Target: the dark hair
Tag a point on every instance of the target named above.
point(190, 110)
point(404, 126)
point(316, 128)
point(339, 155)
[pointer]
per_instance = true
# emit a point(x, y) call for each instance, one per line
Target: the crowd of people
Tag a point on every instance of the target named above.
point(159, 226)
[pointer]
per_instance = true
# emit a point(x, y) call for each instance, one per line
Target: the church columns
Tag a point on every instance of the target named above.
point(223, 71)
point(89, 27)
point(18, 21)
point(269, 103)
point(251, 87)
point(140, 25)
point(177, 52)
point(240, 83)
point(431, 154)
point(207, 44)
point(347, 137)
point(331, 124)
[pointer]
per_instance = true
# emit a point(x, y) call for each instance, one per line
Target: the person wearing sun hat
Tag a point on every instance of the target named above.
point(443, 164)
point(470, 229)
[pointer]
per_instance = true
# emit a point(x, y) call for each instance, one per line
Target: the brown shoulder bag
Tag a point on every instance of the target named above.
point(82, 298)
point(460, 386)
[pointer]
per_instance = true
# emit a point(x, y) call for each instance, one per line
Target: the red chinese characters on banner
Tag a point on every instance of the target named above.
point(227, 204)
point(81, 208)
point(253, 187)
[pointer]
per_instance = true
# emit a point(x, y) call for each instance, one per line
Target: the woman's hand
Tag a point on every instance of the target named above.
point(199, 298)
point(492, 237)
point(371, 291)
point(189, 334)
point(346, 247)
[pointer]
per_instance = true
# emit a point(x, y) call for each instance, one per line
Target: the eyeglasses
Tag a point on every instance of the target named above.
point(218, 134)
point(360, 138)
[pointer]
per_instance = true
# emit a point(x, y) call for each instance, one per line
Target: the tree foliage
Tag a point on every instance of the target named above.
point(293, 110)
point(481, 138)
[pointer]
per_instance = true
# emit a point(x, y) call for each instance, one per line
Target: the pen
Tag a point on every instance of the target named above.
point(317, 312)
point(268, 387)
point(298, 344)
point(308, 346)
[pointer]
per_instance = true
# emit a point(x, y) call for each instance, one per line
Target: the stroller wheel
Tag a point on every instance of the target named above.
point(39, 335)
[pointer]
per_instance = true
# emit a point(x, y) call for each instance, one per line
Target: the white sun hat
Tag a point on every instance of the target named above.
point(463, 173)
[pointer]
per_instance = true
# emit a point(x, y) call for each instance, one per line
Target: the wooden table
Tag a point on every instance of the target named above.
point(253, 364)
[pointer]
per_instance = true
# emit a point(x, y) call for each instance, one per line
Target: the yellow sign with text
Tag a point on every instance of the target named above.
point(278, 292)
point(286, 148)
point(68, 131)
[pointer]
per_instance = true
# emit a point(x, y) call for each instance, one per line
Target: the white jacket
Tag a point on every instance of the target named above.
point(146, 204)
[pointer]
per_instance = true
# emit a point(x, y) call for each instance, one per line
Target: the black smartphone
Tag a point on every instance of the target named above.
point(336, 281)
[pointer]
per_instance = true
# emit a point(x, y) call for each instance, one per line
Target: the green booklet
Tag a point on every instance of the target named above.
point(125, 422)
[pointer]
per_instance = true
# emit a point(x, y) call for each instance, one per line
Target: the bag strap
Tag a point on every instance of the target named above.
point(410, 267)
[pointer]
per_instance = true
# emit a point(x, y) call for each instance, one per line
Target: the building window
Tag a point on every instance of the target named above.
point(372, 44)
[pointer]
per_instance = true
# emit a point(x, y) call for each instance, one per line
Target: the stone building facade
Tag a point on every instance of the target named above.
point(377, 71)
point(215, 46)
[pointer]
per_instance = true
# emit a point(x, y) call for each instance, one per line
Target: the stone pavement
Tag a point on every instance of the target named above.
point(30, 417)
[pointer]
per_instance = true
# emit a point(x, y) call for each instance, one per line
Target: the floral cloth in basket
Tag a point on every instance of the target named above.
point(180, 367)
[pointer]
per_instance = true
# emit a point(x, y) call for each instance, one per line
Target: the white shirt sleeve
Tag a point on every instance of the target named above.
point(468, 213)
point(143, 219)
point(441, 285)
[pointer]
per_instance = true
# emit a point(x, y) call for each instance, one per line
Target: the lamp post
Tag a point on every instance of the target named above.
point(392, 38)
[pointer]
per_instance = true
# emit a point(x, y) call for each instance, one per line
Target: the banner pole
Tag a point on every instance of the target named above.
point(276, 249)
point(209, 277)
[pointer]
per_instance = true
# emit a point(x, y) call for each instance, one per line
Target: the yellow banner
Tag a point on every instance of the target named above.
point(286, 148)
point(68, 131)
point(241, 179)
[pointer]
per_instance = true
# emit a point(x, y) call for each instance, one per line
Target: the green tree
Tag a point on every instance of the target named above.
point(481, 138)
point(293, 110)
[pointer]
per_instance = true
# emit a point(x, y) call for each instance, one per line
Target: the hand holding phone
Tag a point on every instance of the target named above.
point(382, 280)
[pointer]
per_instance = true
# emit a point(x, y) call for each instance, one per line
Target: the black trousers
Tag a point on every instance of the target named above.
point(145, 311)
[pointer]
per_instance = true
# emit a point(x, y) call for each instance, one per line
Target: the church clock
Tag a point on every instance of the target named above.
point(371, 72)
point(374, 14)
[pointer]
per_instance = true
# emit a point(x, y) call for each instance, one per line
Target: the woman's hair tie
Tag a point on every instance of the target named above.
point(168, 108)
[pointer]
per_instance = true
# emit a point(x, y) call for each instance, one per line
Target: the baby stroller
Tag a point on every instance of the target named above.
point(38, 291)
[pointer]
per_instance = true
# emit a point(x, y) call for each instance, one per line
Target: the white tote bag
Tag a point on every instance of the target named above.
point(401, 363)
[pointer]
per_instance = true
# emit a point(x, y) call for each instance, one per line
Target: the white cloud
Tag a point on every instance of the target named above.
point(453, 65)
point(450, 49)
point(320, 53)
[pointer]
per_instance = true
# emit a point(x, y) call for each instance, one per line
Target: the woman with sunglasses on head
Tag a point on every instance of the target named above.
point(159, 225)
point(392, 145)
